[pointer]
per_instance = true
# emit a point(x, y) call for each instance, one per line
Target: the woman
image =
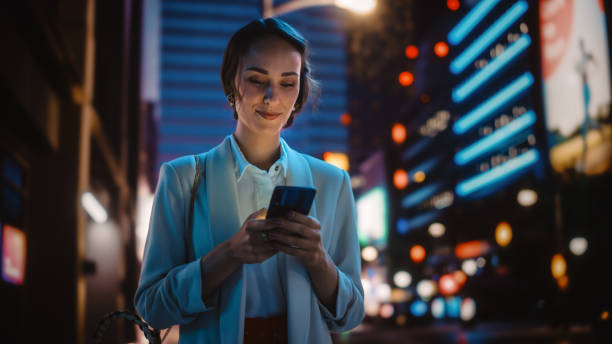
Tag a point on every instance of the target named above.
point(231, 283)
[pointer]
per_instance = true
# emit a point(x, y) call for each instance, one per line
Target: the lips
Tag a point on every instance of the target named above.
point(268, 115)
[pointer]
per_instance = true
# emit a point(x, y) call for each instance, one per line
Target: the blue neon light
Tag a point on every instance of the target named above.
point(420, 195)
point(489, 36)
point(418, 308)
point(495, 139)
point(497, 173)
point(465, 26)
point(500, 98)
point(481, 76)
point(406, 225)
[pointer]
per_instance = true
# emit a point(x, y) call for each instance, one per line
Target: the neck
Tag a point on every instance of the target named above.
point(261, 151)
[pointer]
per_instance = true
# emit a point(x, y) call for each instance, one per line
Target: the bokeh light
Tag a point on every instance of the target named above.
point(346, 119)
point(563, 282)
point(417, 253)
point(460, 277)
point(468, 309)
point(402, 279)
point(400, 179)
point(441, 49)
point(426, 289)
point(578, 245)
point(558, 266)
point(337, 159)
point(453, 5)
point(436, 229)
point(386, 311)
point(503, 234)
point(398, 133)
point(527, 197)
point(448, 285)
point(383, 292)
point(369, 253)
point(412, 52)
point(406, 78)
point(453, 306)
point(605, 315)
point(437, 308)
point(469, 267)
point(419, 176)
point(418, 308)
point(400, 320)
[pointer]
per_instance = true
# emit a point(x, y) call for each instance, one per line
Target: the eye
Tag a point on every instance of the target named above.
point(255, 81)
point(288, 85)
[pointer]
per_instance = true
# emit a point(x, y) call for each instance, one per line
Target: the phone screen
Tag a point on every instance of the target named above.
point(286, 198)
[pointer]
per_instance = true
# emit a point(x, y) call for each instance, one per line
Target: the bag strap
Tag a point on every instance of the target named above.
point(194, 190)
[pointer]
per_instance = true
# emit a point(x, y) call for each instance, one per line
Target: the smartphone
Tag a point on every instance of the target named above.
point(287, 198)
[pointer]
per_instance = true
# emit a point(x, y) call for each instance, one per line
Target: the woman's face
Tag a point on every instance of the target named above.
point(268, 83)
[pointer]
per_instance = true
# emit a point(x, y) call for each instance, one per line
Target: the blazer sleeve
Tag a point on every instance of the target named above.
point(170, 288)
point(349, 310)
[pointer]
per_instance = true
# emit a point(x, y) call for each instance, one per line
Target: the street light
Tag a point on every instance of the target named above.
point(357, 6)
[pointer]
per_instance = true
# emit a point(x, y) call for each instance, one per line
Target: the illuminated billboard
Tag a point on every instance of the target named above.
point(576, 85)
point(372, 224)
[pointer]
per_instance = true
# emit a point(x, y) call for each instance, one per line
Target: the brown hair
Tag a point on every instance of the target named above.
point(241, 42)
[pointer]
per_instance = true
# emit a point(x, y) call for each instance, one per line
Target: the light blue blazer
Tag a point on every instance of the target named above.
point(170, 286)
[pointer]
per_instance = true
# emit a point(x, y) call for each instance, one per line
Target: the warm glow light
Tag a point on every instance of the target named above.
point(399, 295)
point(578, 245)
point(468, 309)
point(503, 234)
point(339, 160)
point(386, 311)
point(402, 279)
point(605, 315)
point(453, 5)
point(437, 307)
point(93, 207)
point(357, 6)
point(346, 119)
point(400, 179)
point(436, 230)
point(412, 52)
point(441, 49)
point(419, 176)
point(472, 249)
point(398, 133)
point(369, 253)
point(426, 289)
point(469, 267)
point(417, 253)
point(400, 320)
point(563, 282)
point(558, 266)
point(14, 256)
point(406, 78)
point(460, 277)
point(527, 197)
point(448, 285)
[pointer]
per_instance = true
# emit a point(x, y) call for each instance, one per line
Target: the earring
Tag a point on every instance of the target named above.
point(230, 99)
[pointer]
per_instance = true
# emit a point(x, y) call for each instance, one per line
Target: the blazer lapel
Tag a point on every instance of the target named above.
point(295, 277)
point(224, 223)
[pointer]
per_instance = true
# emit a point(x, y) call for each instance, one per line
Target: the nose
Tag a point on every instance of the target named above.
point(271, 95)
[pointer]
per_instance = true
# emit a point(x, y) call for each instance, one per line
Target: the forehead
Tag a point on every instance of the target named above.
point(274, 55)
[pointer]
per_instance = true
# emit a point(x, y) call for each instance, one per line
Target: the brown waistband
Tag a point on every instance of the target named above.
point(271, 330)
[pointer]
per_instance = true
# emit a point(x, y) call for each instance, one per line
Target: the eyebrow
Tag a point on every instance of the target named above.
point(263, 71)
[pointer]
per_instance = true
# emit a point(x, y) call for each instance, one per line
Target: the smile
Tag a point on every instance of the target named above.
point(268, 115)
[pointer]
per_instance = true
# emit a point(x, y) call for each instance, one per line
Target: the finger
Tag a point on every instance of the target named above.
point(309, 221)
point(292, 241)
point(295, 228)
point(254, 225)
point(294, 251)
